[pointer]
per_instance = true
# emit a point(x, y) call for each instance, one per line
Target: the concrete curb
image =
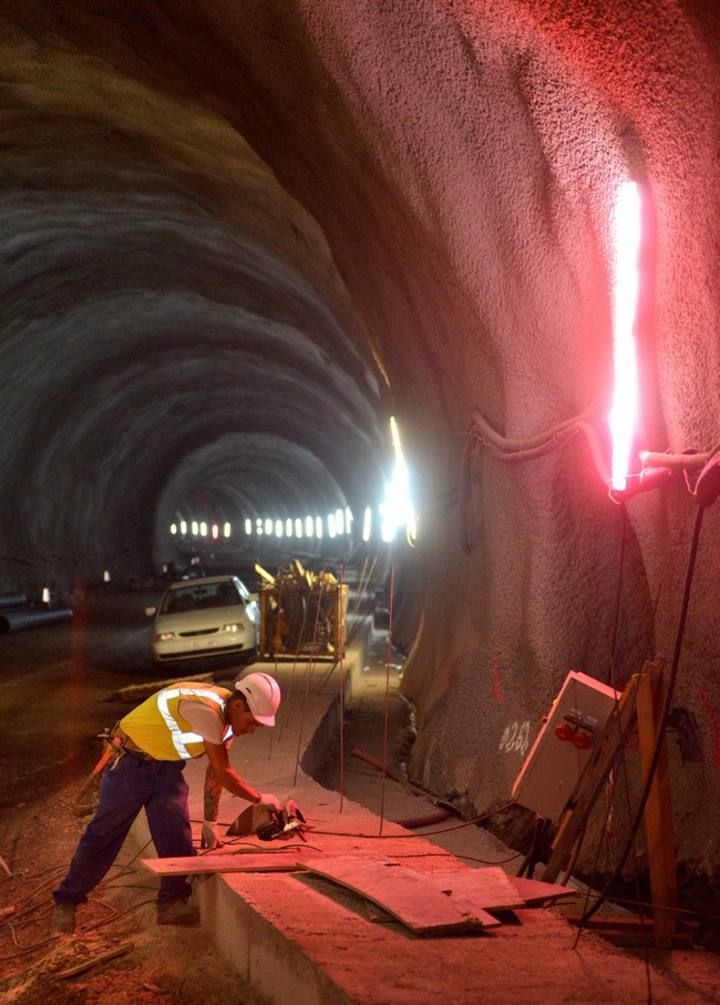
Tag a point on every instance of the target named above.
point(261, 954)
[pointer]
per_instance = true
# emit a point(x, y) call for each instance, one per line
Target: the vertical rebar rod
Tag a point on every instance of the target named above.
point(341, 641)
point(618, 598)
point(308, 675)
point(662, 725)
point(388, 653)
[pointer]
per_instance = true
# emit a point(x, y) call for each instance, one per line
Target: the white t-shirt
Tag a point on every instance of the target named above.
point(205, 721)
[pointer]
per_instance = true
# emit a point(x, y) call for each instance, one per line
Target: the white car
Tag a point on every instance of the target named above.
point(204, 617)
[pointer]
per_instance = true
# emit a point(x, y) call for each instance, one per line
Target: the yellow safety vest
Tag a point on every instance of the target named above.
point(158, 729)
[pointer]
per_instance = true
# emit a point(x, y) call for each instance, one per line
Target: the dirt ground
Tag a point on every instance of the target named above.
point(46, 754)
point(162, 966)
point(175, 966)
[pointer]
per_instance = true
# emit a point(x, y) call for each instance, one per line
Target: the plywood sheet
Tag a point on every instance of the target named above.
point(196, 864)
point(534, 891)
point(486, 889)
point(406, 895)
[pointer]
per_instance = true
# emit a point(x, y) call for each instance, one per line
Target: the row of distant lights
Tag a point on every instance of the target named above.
point(199, 528)
point(335, 524)
point(338, 523)
point(396, 512)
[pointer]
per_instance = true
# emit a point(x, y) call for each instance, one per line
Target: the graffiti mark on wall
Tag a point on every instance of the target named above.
point(496, 688)
point(516, 738)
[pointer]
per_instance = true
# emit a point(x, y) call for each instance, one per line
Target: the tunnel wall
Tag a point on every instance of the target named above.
point(472, 152)
point(477, 149)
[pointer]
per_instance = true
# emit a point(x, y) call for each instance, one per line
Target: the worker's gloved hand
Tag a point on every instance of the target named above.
point(292, 809)
point(210, 835)
point(271, 801)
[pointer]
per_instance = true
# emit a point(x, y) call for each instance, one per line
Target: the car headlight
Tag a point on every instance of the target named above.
point(164, 636)
point(234, 627)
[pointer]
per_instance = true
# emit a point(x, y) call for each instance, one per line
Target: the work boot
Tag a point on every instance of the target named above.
point(63, 918)
point(177, 912)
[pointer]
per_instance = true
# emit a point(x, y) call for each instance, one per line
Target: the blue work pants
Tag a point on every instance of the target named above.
point(132, 784)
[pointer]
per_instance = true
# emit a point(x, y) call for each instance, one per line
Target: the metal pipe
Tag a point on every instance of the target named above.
point(27, 617)
point(13, 600)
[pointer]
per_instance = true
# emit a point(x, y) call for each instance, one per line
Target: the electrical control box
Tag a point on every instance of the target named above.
point(563, 746)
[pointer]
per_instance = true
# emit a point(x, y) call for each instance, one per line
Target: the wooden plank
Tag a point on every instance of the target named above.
point(658, 809)
point(403, 893)
point(614, 922)
point(592, 780)
point(197, 864)
point(632, 931)
point(483, 888)
point(637, 940)
point(94, 961)
point(534, 891)
point(629, 923)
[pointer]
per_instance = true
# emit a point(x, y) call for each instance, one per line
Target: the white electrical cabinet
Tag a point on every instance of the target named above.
point(563, 746)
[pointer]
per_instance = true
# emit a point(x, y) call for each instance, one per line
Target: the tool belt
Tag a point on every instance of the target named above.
point(116, 743)
point(123, 744)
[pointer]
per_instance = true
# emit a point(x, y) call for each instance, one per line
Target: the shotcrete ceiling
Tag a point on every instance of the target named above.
point(165, 300)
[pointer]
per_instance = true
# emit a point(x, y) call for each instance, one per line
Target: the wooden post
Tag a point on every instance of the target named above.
point(263, 641)
point(658, 810)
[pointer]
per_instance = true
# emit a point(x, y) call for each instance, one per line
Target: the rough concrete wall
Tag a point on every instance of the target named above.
point(461, 160)
point(472, 153)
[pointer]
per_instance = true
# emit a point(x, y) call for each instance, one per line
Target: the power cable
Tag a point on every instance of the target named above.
point(120, 914)
point(441, 830)
point(687, 461)
point(662, 725)
point(624, 769)
point(466, 541)
point(618, 598)
point(484, 861)
point(514, 450)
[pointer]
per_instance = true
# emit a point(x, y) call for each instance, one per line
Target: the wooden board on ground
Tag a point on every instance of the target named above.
point(197, 864)
point(534, 891)
point(486, 889)
point(407, 895)
point(632, 931)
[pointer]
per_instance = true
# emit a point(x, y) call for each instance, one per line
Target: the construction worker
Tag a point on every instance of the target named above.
point(150, 746)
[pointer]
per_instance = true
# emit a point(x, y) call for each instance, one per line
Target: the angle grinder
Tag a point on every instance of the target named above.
point(285, 823)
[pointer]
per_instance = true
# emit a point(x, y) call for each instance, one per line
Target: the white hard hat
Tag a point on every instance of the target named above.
point(262, 693)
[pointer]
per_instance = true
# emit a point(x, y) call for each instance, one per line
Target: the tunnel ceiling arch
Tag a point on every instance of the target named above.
point(218, 480)
point(164, 297)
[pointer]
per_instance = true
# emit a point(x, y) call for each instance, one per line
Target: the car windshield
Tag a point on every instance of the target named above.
point(199, 596)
